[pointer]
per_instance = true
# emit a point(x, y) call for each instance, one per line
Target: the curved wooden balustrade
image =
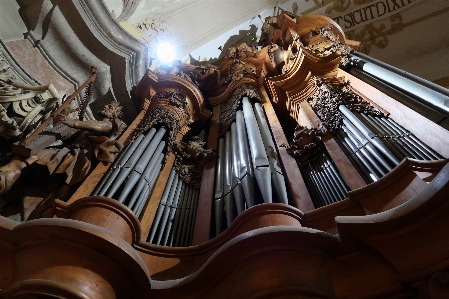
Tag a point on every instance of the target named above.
point(266, 252)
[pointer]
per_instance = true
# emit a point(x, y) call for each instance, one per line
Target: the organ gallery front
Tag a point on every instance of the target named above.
point(305, 169)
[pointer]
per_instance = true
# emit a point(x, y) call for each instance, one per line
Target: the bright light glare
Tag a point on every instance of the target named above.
point(166, 52)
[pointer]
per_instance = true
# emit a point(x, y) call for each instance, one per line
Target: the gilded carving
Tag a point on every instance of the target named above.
point(241, 51)
point(229, 108)
point(290, 56)
point(263, 41)
point(323, 42)
point(237, 70)
point(160, 115)
point(306, 144)
point(190, 158)
point(333, 92)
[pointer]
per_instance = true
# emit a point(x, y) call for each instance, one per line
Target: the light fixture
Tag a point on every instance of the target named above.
point(165, 52)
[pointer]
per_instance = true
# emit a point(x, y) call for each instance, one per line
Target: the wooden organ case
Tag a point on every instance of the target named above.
point(294, 171)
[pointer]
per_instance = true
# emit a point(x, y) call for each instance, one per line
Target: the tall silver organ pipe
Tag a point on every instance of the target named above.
point(174, 220)
point(392, 143)
point(131, 177)
point(258, 153)
point(422, 91)
point(276, 172)
point(248, 170)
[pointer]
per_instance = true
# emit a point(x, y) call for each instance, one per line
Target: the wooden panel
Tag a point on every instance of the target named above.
point(347, 170)
point(204, 210)
point(295, 182)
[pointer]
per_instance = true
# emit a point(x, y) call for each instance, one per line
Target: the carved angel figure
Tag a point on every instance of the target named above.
point(94, 139)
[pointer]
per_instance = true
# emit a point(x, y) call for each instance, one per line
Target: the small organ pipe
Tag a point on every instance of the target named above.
point(237, 188)
point(179, 217)
point(183, 216)
point(144, 179)
point(117, 165)
point(332, 176)
point(218, 201)
point(150, 183)
point(246, 171)
point(352, 130)
point(228, 197)
point(142, 163)
point(186, 221)
point(166, 210)
point(368, 134)
point(179, 210)
point(192, 217)
point(162, 204)
point(434, 155)
point(168, 216)
point(258, 154)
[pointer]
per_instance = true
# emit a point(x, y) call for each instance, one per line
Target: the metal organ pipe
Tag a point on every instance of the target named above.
point(247, 161)
point(373, 162)
point(237, 188)
point(174, 220)
point(246, 173)
point(276, 172)
point(142, 163)
point(114, 169)
point(218, 198)
point(163, 202)
point(228, 196)
point(258, 154)
point(131, 162)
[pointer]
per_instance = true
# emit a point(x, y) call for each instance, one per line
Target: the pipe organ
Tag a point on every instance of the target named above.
point(322, 170)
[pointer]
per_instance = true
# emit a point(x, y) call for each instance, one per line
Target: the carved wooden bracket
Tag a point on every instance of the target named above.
point(190, 159)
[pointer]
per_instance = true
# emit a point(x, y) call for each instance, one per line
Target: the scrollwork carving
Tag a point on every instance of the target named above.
point(330, 94)
point(229, 108)
point(190, 158)
point(306, 144)
point(23, 107)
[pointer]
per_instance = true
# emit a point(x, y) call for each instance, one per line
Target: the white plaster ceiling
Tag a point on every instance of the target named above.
point(419, 44)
